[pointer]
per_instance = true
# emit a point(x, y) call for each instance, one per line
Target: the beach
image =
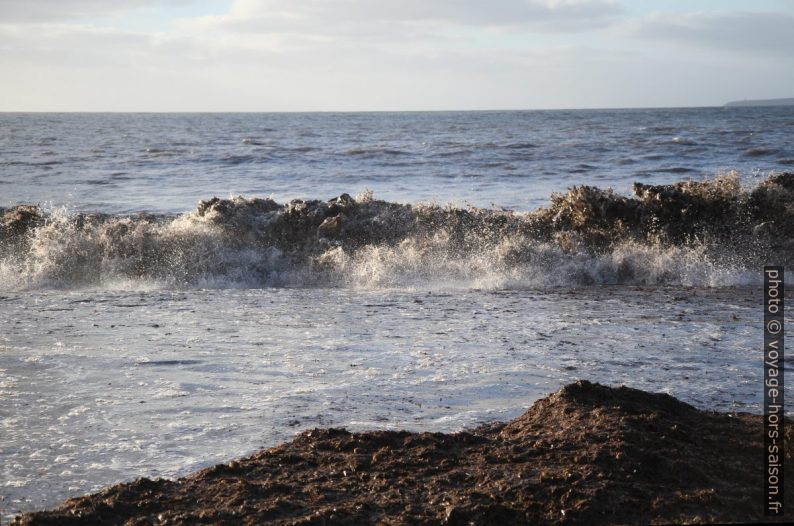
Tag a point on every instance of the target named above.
point(587, 454)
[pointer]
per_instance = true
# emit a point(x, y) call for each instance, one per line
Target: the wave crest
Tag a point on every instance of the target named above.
point(711, 233)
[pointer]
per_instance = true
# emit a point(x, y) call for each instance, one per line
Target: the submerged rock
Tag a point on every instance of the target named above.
point(588, 454)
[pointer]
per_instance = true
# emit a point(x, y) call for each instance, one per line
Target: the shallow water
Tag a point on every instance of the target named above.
point(101, 387)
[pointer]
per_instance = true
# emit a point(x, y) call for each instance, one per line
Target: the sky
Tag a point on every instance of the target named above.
point(375, 55)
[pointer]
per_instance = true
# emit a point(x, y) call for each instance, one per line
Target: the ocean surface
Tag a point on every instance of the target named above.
point(145, 334)
point(121, 163)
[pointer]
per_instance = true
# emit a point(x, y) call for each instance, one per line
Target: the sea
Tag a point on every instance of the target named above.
point(358, 270)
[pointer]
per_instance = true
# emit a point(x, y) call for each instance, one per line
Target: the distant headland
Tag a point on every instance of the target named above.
point(762, 102)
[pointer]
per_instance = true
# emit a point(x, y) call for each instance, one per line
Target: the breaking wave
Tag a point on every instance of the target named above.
point(711, 233)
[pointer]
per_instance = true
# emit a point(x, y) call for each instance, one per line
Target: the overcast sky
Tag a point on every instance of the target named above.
point(305, 55)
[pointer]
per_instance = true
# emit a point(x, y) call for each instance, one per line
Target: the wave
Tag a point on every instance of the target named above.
point(164, 152)
point(520, 146)
point(681, 141)
point(760, 152)
point(673, 170)
point(711, 233)
point(375, 152)
point(240, 159)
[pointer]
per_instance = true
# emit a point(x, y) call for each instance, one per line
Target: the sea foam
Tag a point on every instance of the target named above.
point(713, 233)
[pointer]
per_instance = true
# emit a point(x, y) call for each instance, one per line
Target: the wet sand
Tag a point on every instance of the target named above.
point(587, 454)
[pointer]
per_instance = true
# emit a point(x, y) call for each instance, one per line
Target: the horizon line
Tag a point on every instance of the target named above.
point(475, 110)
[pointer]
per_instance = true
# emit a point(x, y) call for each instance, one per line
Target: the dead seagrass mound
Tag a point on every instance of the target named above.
point(587, 454)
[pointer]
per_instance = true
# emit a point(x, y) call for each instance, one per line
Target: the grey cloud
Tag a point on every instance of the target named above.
point(749, 32)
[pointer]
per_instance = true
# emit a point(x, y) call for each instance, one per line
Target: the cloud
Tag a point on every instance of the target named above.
point(763, 32)
point(83, 67)
point(382, 54)
point(54, 10)
point(89, 47)
point(345, 16)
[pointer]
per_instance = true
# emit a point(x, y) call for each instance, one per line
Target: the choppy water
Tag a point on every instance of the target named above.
point(166, 163)
point(152, 345)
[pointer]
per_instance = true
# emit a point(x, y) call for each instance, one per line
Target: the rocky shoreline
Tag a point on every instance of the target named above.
point(587, 454)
